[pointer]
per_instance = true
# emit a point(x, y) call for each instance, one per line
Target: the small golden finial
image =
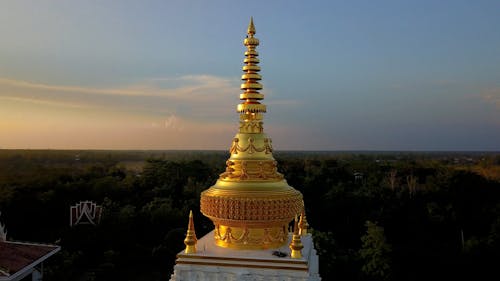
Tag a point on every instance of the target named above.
point(303, 225)
point(296, 244)
point(251, 28)
point(191, 239)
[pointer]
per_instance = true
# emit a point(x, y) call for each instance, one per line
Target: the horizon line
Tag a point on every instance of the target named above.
point(275, 151)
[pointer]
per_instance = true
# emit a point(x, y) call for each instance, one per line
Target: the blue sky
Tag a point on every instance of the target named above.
point(337, 75)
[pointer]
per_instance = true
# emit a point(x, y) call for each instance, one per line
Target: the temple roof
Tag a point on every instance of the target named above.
point(18, 258)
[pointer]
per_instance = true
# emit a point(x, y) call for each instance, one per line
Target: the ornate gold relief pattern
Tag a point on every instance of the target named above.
point(251, 148)
point(251, 127)
point(247, 238)
point(248, 211)
point(257, 170)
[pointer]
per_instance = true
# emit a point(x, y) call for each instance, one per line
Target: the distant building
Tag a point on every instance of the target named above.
point(251, 206)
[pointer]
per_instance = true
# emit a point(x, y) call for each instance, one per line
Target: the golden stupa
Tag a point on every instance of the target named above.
point(251, 204)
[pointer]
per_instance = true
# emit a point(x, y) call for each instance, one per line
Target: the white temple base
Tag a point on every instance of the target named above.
point(213, 263)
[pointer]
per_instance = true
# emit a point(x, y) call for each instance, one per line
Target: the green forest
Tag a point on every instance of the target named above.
point(373, 215)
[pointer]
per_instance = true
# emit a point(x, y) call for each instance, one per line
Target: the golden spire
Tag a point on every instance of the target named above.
point(303, 225)
point(251, 109)
point(296, 244)
point(251, 203)
point(191, 239)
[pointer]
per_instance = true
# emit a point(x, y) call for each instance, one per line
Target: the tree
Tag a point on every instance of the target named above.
point(411, 182)
point(376, 253)
point(393, 179)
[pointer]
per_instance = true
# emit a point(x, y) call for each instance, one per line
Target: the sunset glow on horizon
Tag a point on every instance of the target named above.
point(423, 75)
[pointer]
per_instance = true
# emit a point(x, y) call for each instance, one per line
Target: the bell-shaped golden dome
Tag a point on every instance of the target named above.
point(251, 203)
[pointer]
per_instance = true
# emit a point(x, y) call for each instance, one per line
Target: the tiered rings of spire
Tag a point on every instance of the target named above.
point(251, 204)
point(251, 108)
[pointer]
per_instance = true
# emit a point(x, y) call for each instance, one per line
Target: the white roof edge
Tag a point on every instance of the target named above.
point(30, 243)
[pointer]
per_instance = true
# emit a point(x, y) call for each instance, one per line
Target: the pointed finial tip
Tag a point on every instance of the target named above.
point(296, 225)
point(251, 27)
point(191, 221)
point(303, 224)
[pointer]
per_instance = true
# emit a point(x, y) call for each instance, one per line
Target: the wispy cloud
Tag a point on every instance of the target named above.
point(193, 93)
point(61, 88)
point(187, 96)
point(161, 112)
point(173, 122)
point(45, 102)
point(492, 96)
point(184, 87)
point(168, 112)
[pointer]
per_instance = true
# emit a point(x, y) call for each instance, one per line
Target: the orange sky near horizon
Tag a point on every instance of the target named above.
point(369, 75)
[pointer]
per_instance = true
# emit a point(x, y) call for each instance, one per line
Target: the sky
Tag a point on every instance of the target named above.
point(337, 75)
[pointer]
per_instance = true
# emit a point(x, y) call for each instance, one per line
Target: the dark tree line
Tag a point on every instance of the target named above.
point(404, 220)
point(374, 217)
